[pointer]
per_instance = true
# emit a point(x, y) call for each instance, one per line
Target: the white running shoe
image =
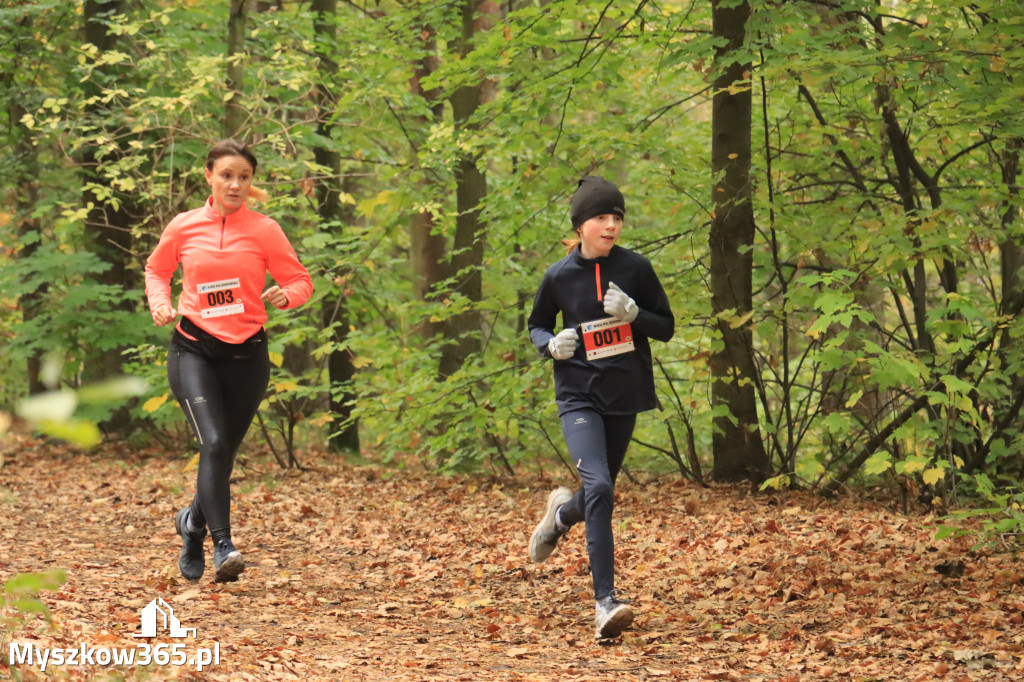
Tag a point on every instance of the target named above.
point(546, 535)
point(613, 616)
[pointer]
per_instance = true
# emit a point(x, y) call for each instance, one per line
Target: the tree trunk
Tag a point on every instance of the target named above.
point(1011, 262)
point(108, 224)
point(462, 330)
point(334, 214)
point(26, 172)
point(234, 114)
point(739, 452)
point(1011, 254)
point(427, 248)
point(109, 227)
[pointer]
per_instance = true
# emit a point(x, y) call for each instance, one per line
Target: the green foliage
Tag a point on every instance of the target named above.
point(20, 602)
point(1000, 512)
point(887, 206)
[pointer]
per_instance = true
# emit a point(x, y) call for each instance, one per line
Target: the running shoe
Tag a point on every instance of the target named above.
point(612, 617)
point(227, 560)
point(547, 533)
point(192, 561)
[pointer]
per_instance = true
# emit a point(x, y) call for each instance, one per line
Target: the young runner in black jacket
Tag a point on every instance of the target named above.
point(611, 303)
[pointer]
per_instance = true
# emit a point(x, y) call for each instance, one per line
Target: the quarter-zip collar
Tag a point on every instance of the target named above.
point(241, 214)
point(577, 255)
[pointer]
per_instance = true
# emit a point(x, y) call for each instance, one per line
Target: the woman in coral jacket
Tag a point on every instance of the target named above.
point(217, 363)
point(611, 303)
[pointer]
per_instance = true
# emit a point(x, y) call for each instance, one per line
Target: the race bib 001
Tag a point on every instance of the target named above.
point(607, 337)
point(220, 298)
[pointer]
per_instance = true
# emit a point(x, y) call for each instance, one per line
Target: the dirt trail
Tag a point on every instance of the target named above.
point(357, 574)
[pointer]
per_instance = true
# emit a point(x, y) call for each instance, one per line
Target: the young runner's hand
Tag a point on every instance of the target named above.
point(276, 296)
point(164, 315)
point(563, 346)
point(619, 305)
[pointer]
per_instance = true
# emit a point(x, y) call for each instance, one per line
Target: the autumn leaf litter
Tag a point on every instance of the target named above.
point(359, 573)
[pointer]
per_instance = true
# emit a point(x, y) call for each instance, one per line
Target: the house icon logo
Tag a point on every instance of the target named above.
point(158, 611)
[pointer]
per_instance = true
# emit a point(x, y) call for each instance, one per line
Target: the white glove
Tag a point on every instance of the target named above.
point(563, 346)
point(618, 304)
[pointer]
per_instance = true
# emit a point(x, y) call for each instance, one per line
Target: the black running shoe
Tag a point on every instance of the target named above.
point(192, 561)
point(227, 560)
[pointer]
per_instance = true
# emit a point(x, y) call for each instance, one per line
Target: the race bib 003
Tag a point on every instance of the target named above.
point(607, 337)
point(220, 298)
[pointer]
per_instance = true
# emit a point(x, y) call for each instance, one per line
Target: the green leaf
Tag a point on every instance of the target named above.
point(956, 385)
point(944, 532)
point(30, 605)
point(878, 463)
point(34, 583)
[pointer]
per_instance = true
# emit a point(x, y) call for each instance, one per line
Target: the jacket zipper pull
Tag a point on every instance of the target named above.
point(597, 278)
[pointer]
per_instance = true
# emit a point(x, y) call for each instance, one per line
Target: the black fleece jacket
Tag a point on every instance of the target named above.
point(575, 287)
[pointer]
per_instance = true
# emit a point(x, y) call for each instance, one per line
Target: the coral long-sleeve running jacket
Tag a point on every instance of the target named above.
point(575, 286)
point(224, 262)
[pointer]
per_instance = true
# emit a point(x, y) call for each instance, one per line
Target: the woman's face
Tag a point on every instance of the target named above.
point(599, 234)
point(229, 180)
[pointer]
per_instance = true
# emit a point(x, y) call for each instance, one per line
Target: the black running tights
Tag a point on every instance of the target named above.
point(219, 387)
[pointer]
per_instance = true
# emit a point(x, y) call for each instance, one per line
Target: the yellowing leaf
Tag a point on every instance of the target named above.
point(285, 386)
point(154, 403)
point(320, 420)
point(277, 359)
point(359, 362)
point(738, 321)
point(78, 431)
point(367, 206)
point(933, 476)
point(854, 398)
point(192, 465)
point(914, 464)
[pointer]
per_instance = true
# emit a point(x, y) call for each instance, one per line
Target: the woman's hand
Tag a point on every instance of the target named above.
point(164, 315)
point(276, 296)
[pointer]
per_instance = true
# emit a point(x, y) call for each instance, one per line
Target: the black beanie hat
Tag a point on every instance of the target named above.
point(595, 196)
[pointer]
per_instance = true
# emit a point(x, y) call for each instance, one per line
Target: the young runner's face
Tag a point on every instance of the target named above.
point(599, 234)
point(229, 180)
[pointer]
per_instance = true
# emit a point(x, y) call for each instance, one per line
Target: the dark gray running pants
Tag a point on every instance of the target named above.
point(597, 444)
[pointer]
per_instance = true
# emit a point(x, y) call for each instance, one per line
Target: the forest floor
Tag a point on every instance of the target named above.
point(360, 573)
